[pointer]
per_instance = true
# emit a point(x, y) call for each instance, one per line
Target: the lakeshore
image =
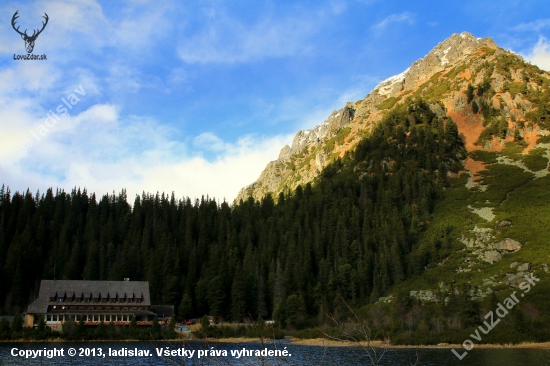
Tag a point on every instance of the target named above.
point(316, 342)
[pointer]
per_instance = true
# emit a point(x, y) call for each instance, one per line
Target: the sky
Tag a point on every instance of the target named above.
point(196, 97)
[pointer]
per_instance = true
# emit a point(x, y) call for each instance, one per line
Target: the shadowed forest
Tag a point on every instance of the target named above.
point(333, 247)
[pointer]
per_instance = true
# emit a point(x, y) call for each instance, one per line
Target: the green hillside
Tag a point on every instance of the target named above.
point(381, 222)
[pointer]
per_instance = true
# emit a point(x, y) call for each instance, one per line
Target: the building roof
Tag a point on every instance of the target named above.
point(54, 292)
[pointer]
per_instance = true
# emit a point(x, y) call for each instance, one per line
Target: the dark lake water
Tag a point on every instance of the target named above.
point(298, 355)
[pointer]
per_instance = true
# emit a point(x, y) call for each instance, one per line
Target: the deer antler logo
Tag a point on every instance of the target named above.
point(29, 40)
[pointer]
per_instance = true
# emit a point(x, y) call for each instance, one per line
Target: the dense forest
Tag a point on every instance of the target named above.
point(325, 248)
point(345, 235)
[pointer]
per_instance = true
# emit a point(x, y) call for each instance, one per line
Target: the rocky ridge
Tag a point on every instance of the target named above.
point(312, 150)
point(500, 104)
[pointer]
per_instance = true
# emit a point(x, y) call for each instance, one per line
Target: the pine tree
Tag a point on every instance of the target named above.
point(17, 324)
point(5, 331)
point(216, 296)
point(81, 331)
point(295, 311)
point(155, 328)
point(279, 314)
point(101, 331)
point(238, 301)
point(279, 288)
point(186, 307)
point(133, 328)
point(261, 309)
point(171, 328)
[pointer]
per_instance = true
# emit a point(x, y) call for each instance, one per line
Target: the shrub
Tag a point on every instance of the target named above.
point(535, 161)
point(488, 157)
point(515, 88)
point(388, 103)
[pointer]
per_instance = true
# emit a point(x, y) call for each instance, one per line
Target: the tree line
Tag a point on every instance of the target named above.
point(341, 241)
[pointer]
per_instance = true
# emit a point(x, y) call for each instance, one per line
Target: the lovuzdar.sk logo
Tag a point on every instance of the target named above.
point(29, 40)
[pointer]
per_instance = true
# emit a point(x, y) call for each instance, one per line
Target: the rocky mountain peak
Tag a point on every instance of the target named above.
point(441, 77)
point(445, 54)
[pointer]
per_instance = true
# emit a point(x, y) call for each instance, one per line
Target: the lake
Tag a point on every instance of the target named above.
point(279, 353)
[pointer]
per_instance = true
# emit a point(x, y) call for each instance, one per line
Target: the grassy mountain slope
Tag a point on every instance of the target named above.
point(490, 225)
point(500, 104)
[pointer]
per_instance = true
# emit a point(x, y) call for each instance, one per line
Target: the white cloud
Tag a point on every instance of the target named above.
point(178, 76)
point(141, 26)
point(540, 55)
point(27, 78)
point(81, 26)
point(101, 150)
point(338, 7)
point(73, 24)
point(124, 78)
point(312, 107)
point(209, 141)
point(405, 17)
point(534, 26)
point(226, 40)
point(98, 114)
point(86, 78)
point(98, 150)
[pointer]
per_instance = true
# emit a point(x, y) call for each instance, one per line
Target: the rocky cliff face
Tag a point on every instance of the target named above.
point(452, 78)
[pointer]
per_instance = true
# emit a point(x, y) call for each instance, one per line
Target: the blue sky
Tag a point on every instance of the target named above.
point(197, 97)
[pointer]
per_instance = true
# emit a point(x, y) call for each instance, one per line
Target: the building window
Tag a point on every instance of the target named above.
point(49, 318)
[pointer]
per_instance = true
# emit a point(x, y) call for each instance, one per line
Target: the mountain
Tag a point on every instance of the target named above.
point(419, 209)
point(487, 231)
point(445, 78)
